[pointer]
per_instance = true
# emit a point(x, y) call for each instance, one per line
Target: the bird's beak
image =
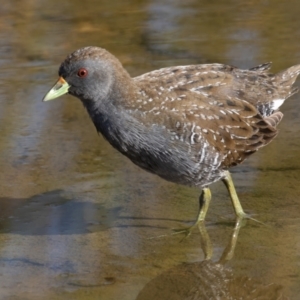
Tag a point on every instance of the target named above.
point(60, 88)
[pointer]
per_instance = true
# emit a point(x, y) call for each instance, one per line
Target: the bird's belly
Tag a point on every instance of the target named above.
point(181, 169)
point(173, 160)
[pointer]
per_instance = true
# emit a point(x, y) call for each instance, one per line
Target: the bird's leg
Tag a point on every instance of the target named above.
point(204, 201)
point(233, 196)
point(239, 212)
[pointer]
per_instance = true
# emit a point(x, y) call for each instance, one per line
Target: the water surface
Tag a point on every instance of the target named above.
point(77, 219)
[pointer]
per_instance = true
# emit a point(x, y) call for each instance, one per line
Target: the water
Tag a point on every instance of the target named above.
point(79, 221)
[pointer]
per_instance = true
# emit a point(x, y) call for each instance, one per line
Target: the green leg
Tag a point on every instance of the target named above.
point(204, 201)
point(240, 214)
point(233, 196)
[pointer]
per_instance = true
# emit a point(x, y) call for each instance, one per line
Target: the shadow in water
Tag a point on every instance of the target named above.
point(209, 280)
point(54, 213)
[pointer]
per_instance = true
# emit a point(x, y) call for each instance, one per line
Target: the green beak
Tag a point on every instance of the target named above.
point(60, 88)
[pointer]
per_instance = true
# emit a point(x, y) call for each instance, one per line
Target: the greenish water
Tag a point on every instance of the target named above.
point(79, 221)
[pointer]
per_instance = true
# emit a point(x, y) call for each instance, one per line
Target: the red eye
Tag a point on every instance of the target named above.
point(82, 72)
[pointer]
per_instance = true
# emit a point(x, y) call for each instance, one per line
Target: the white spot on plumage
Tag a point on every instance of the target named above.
point(203, 153)
point(192, 141)
point(193, 127)
point(215, 162)
point(153, 109)
point(195, 89)
point(277, 103)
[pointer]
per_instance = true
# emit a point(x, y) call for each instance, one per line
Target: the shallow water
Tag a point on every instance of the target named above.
point(78, 220)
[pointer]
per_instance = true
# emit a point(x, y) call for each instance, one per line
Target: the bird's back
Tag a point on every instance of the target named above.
point(257, 86)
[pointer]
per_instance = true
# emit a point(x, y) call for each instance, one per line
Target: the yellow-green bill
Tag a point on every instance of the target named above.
point(60, 88)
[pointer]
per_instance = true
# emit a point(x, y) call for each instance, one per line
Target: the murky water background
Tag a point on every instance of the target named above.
point(78, 220)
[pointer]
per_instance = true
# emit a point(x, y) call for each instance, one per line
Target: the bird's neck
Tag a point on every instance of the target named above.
point(111, 114)
point(113, 120)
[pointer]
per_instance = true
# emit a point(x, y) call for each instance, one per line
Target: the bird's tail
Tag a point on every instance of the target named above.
point(274, 119)
point(287, 78)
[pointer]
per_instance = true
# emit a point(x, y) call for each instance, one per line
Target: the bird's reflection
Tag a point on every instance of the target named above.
point(208, 279)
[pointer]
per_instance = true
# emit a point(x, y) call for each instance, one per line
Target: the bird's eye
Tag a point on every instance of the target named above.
point(82, 72)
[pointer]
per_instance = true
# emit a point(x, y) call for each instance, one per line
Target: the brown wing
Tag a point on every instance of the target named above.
point(231, 126)
point(263, 90)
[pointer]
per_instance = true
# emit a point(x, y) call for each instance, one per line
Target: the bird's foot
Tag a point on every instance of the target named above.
point(186, 231)
point(243, 217)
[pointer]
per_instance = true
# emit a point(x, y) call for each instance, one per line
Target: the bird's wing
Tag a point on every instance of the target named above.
point(190, 114)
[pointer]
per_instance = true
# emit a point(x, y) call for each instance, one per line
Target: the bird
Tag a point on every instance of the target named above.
point(187, 124)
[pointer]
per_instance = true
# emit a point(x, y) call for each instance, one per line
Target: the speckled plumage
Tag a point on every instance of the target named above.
point(187, 124)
